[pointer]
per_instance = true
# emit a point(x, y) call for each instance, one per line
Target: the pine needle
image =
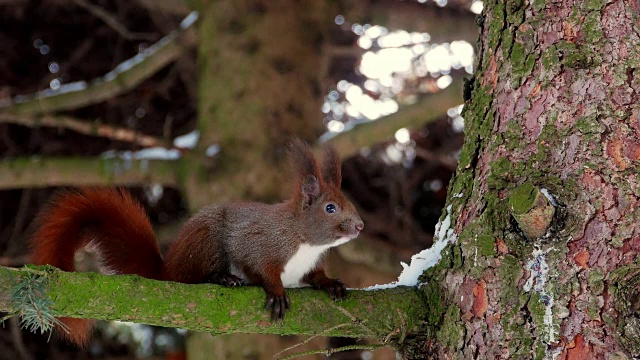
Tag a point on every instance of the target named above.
point(29, 296)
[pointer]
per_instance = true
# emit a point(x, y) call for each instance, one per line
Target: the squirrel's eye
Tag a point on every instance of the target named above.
point(330, 208)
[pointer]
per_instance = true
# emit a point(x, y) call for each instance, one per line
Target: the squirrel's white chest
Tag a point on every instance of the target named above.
point(303, 261)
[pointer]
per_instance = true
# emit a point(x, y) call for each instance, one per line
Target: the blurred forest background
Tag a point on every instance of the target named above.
point(189, 103)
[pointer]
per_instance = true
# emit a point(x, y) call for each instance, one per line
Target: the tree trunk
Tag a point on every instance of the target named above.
point(554, 108)
point(259, 85)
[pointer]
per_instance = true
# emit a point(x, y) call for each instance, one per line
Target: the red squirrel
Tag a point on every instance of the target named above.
point(274, 246)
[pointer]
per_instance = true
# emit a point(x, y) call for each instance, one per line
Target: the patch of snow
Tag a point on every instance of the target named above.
point(189, 20)
point(154, 153)
point(458, 195)
point(188, 140)
point(552, 200)
point(65, 88)
point(426, 258)
point(157, 153)
point(126, 65)
point(70, 87)
point(212, 150)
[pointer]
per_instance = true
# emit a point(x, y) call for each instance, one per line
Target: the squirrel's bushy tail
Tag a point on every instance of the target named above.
point(109, 220)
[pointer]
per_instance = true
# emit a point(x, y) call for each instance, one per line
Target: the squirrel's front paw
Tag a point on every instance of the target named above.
point(278, 304)
point(335, 288)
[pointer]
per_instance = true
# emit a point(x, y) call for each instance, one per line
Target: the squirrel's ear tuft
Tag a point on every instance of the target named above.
point(332, 167)
point(308, 173)
point(310, 188)
point(302, 159)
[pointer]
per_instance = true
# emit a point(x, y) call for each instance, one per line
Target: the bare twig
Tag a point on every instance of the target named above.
point(113, 23)
point(125, 76)
point(84, 127)
point(329, 352)
point(310, 338)
point(354, 320)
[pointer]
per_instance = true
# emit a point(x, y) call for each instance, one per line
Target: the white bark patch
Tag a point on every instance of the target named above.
point(538, 279)
point(426, 258)
point(303, 261)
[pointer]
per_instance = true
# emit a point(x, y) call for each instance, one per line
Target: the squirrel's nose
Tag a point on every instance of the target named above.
point(359, 226)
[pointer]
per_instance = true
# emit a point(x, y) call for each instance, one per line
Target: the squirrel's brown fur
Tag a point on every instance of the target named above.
point(228, 244)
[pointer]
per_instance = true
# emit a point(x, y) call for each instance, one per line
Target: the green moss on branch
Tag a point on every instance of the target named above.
point(386, 314)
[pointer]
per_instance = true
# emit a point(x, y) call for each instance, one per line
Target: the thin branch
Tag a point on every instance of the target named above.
point(84, 127)
point(309, 339)
point(329, 352)
point(112, 22)
point(124, 77)
point(354, 320)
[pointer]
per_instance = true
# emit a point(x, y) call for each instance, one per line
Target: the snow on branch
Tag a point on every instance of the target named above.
point(425, 259)
point(18, 173)
point(125, 76)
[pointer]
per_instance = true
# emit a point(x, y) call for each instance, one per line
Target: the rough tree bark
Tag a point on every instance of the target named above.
point(554, 106)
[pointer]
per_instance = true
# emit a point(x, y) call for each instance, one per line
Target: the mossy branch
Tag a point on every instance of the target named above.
point(219, 310)
point(76, 171)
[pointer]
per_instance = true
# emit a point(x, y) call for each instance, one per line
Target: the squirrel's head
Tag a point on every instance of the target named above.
point(324, 212)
